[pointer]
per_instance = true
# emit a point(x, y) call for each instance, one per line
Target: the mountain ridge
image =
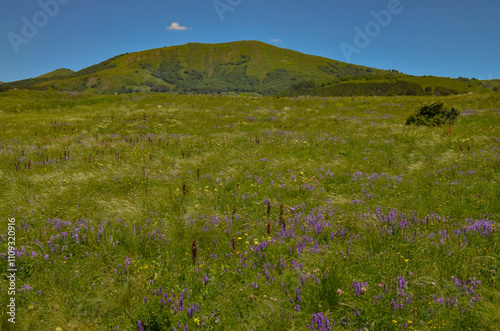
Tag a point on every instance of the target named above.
point(241, 66)
point(246, 66)
point(57, 73)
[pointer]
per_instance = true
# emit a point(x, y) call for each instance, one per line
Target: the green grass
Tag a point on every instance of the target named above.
point(386, 224)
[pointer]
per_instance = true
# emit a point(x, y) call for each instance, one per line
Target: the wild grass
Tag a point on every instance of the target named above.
point(383, 226)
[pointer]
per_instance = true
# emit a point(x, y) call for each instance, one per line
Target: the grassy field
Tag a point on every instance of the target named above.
point(177, 212)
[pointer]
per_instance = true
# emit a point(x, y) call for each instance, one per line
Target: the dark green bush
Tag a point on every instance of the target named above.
point(444, 91)
point(359, 87)
point(433, 114)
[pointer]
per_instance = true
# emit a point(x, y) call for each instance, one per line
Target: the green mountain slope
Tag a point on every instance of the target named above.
point(57, 73)
point(393, 85)
point(243, 66)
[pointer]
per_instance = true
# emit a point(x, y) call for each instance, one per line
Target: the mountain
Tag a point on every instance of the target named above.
point(243, 66)
point(57, 73)
point(239, 67)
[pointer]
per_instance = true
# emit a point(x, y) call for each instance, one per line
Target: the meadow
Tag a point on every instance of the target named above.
point(199, 212)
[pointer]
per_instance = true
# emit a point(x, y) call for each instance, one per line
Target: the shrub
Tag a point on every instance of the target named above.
point(304, 85)
point(433, 114)
point(444, 91)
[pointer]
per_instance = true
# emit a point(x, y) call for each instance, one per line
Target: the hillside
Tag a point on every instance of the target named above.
point(243, 66)
point(63, 72)
point(391, 85)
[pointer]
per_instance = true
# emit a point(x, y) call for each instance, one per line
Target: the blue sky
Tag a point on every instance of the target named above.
point(420, 37)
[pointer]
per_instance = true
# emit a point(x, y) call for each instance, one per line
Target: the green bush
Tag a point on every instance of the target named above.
point(433, 114)
point(358, 88)
point(444, 91)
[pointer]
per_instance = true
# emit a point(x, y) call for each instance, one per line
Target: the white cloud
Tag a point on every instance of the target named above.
point(176, 26)
point(275, 40)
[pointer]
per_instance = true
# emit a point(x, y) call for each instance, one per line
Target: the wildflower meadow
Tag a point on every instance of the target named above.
point(198, 212)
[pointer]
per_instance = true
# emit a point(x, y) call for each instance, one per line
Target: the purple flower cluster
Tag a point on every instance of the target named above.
point(25, 288)
point(359, 287)
point(193, 309)
point(320, 322)
point(484, 227)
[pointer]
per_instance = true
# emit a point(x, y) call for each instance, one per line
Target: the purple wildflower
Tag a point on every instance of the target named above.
point(322, 323)
point(298, 291)
point(193, 309)
point(128, 262)
point(359, 287)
